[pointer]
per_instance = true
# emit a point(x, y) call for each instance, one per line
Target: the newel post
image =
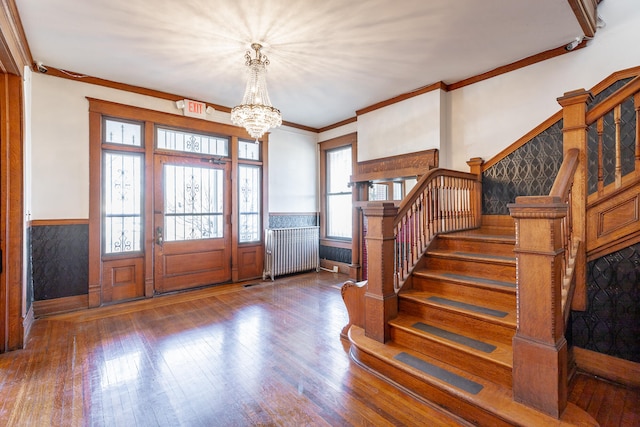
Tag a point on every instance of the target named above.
point(381, 302)
point(540, 362)
point(574, 131)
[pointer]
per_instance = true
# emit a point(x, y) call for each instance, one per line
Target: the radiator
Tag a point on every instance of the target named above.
point(291, 250)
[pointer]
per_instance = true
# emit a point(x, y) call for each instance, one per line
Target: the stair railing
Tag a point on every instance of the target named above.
point(442, 201)
point(397, 236)
point(614, 103)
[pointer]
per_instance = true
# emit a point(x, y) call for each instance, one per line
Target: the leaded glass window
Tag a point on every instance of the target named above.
point(338, 193)
point(193, 203)
point(191, 142)
point(123, 179)
point(249, 150)
point(122, 132)
point(249, 204)
point(378, 192)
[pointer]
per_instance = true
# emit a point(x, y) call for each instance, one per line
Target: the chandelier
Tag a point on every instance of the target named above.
point(255, 113)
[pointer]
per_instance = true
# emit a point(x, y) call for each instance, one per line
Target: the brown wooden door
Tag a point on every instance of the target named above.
point(191, 223)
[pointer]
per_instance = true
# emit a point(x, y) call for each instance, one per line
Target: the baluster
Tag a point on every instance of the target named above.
point(600, 130)
point(616, 118)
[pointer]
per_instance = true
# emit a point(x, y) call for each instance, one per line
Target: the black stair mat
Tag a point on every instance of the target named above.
point(457, 338)
point(479, 280)
point(477, 255)
point(442, 374)
point(470, 307)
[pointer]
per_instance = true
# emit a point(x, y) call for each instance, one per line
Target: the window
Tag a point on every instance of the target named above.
point(176, 140)
point(122, 187)
point(338, 199)
point(249, 204)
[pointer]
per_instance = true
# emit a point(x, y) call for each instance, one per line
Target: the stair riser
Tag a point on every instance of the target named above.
point(430, 391)
point(481, 295)
point(455, 355)
point(476, 246)
point(486, 270)
point(496, 331)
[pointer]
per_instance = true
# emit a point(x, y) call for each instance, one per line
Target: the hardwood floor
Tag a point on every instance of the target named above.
point(232, 355)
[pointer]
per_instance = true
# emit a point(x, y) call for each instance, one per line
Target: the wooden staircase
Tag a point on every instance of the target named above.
point(451, 340)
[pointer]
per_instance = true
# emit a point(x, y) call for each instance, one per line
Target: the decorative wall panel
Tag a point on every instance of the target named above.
point(335, 254)
point(611, 323)
point(528, 171)
point(290, 221)
point(60, 260)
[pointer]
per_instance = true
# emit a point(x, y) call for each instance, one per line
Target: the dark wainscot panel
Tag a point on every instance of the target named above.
point(60, 260)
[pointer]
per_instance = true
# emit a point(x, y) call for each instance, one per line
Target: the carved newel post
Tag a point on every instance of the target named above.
point(540, 361)
point(381, 302)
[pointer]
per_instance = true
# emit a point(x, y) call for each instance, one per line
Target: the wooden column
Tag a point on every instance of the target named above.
point(381, 302)
point(539, 346)
point(574, 109)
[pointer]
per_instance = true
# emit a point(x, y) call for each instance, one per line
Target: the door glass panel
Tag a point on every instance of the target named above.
point(191, 142)
point(122, 202)
point(249, 203)
point(193, 203)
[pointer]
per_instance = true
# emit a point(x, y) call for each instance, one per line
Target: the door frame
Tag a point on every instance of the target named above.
point(99, 108)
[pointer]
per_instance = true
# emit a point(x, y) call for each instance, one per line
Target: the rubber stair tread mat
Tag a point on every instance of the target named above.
point(495, 312)
point(500, 353)
point(464, 278)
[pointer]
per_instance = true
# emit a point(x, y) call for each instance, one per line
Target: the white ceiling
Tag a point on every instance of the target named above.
point(329, 58)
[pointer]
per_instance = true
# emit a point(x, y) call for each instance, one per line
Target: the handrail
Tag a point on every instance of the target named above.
point(443, 200)
point(613, 100)
point(561, 189)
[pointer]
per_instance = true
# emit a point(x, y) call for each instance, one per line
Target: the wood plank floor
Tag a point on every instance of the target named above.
point(266, 354)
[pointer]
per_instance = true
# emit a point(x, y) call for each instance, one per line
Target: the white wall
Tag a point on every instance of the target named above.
point(482, 119)
point(293, 171)
point(406, 127)
point(60, 150)
point(490, 115)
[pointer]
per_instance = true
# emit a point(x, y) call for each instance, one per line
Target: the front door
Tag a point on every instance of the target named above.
point(191, 223)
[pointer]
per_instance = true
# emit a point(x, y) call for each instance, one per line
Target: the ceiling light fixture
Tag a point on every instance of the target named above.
point(256, 114)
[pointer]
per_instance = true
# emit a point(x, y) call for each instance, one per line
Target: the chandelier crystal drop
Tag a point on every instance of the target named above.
point(256, 114)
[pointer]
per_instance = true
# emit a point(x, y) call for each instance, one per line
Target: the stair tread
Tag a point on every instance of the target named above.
point(466, 340)
point(475, 256)
point(463, 385)
point(493, 312)
point(465, 279)
point(489, 234)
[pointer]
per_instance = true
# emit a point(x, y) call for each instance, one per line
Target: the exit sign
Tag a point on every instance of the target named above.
point(195, 109)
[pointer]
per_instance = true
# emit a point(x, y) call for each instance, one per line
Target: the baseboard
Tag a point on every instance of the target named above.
point(612, 368)
point(27, 322)
point(60, 305)
point(342, 267)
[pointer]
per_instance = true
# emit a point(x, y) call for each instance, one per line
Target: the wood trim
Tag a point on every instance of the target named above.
point(618, 370)
point(498, 221)
point(27, 322)
point(44, 222)
point(403, 97)
point(14, 49)
point(11, 212)
point(292, 213)
point(70, 75)
point(403, 165)
point(586, 12)
point(60, 305)
point(533, 59)
point(338, 124)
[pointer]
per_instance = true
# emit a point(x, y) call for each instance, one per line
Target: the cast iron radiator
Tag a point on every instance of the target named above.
point(291, 250)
